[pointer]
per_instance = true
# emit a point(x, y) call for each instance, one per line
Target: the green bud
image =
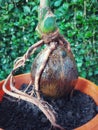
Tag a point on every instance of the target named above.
point(47, 20)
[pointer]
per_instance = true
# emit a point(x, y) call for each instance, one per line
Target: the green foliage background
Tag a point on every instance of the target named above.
point(77, 20)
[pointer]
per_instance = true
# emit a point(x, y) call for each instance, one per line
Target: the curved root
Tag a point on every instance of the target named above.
point(42, 105)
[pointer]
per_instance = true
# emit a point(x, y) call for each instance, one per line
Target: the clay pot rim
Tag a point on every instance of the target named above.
point(83, 85)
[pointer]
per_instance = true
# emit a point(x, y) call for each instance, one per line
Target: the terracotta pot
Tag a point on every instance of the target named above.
point(83, 85)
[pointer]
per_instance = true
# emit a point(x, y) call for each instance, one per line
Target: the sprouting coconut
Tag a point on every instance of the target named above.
point(59, 75)
point(54, 70)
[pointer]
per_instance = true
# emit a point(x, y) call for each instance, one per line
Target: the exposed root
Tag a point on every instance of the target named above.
point(28, 87)
point(50, 37)
point(20, 61)
point(56, 126)
point(63, 41)
point(42, 105)
point(40, 70)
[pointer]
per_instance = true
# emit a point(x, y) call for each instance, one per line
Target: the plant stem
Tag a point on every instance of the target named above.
point(85, 9)
point(44, 3)
point(47, 20)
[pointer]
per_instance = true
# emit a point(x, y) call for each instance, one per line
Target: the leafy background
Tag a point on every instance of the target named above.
point(77, 20)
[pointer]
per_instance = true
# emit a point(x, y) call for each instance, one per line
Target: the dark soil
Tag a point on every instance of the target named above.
point(72, 112)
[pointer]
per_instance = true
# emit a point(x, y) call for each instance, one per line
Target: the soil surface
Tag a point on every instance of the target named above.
point(72, 112)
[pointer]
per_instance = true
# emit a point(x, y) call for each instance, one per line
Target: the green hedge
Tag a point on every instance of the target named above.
point(77, 20)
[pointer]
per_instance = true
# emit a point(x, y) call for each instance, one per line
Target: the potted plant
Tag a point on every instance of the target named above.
point(83, 85)
point(53, 73)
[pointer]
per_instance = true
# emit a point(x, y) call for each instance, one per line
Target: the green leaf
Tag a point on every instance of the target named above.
point(74, 1)
point(79, 64)
point(11, 6)
point(90, 73)
point(88, 34)
point(0, 2)
point(83, 74)
point(65, 6)
point(26, 9)
point(57, 3)
point(71, 33)
point(79, 14)
point(35, 8)
point(96, 72)
point(16, 1)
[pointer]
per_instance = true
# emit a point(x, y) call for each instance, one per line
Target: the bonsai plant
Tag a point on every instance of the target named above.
point(54, 70)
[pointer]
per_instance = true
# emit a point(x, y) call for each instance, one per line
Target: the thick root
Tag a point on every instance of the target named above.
point(40, 70)
point(42, 105)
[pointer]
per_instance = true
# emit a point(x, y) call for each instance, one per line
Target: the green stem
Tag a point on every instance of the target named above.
point(47, 20)
point(44, 3)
